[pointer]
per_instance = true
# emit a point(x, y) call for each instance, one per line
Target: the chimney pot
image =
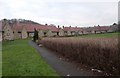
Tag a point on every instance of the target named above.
point(58, 26)
point(63, 26)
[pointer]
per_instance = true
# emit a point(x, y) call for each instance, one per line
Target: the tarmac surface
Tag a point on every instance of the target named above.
point(63, 68)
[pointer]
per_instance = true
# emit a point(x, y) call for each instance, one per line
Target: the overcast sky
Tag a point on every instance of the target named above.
point(62, 12)
point(119, 11)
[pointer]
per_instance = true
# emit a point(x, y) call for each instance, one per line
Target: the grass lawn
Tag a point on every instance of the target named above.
point(0, 59)
point(101, 35)
point(20, 59)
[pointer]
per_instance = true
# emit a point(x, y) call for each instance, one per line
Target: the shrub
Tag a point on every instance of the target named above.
point(35, 37)
point(99, 53)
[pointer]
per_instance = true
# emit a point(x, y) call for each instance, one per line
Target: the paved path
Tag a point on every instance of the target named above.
point(63, 68)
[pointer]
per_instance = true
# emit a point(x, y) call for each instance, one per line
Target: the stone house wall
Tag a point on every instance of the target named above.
point(61, 32)
point(97, 32)
point(68, 33)
point(55, 33)
point(49, 33)
point(16, 35)
point(85, 32)
point(24, 33)
point(8, 33)
point(0, 36)
point(41, 33)
point(73, 33)
point(92, 31)
point(80, 33)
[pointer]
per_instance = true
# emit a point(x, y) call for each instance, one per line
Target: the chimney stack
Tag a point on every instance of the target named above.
point(46, 24)
point(58, 26)
point(63, 26)
point(5, 21)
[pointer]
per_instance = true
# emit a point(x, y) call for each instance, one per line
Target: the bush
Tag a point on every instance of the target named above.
point(35, 37)
point(99, 53)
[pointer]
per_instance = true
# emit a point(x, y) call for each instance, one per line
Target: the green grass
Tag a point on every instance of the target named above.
point(0, 59)
point(100, 35)
point(20, 59)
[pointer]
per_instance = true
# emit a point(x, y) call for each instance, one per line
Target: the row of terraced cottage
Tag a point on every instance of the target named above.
point(24, 30)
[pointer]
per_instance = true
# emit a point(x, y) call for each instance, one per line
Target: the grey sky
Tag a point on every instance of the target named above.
point(60, 12)
point(119, 11)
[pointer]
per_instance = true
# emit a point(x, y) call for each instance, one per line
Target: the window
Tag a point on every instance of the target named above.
point(45, 33)
point(57, 33)
point(19, 32)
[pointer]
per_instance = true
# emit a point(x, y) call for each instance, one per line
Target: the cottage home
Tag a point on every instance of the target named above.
point(43, 30)
point(113, 28)
point(16, 35)
point(75, 31)
point(49, 33)
point(81, 31)
point(61, 32)
point(67, 31)
point(86, 31)
point(24, 30)
point(72, 31)
point(19, 31)
point(24, 33)
point(89, 30)
point(0, 36)
point(0, 31)
point(7, 32)
point(101, 29)
point(47, 30)
point(53, 30)
point(41, 33)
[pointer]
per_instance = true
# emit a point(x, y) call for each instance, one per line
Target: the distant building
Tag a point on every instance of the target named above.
point(0, 31)
point(24, 33)
point(101, 29)
point(7, 31)
point(61, 32)
point(72, 31)
point(18, 30)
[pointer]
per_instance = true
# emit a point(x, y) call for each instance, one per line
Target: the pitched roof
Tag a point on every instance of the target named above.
point(53, 28)
point(17, 27)
point(101, 28)
point(31, 27)
point(72, 29)
point(89, 29)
